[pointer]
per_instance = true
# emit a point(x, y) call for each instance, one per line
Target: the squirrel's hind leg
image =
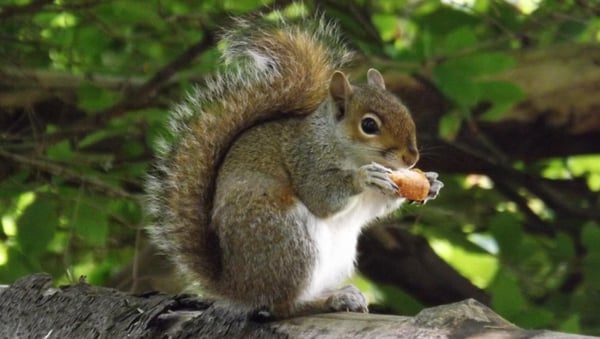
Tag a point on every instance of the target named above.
point(266, 252)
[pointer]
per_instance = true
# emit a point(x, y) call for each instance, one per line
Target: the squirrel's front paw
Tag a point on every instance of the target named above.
point(349, 299)
point(434, 185)
point(378, 177)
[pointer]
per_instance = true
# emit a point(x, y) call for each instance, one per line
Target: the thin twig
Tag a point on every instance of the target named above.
point(69, 174)
point(14, 10)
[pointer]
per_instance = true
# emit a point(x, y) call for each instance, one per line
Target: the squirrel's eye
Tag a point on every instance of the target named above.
point(369, 125)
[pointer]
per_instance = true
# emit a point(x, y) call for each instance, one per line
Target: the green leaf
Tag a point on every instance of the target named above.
point(36, 226)
point(237, 6)
point(477, 266)
point(92, 98)
point(590, 237)
point(449, 125)
point(133, 149)
point(507, 300)
point(131, 211)
point(570, 30)
point(91, 223)
point(14, 185)
point(459, 39)
point(387, 24)
point(571, 324)
point(564, 249)
point(478, 64)
point(456, 85)
point(446, 19)
point(424, 45)
point(92, 40)
point(399, 301)
point(456, 79)
point(591, 262)
point(43, 19)
point(127, 12)
point(503, 95)
point(535, 318)
point(489, 62)
point(16, 266)
point(60, 151)
point(95, 137)
point(506, 229)
point(506, 15)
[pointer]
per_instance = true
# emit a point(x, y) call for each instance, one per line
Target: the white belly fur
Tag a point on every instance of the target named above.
point(336, 238)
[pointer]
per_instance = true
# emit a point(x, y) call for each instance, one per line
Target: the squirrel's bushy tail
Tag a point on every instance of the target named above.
point(272, 69)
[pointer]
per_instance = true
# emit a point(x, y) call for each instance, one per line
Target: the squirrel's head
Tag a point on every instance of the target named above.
point(378, 125)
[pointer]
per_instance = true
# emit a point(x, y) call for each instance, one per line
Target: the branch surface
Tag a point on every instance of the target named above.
point(32, 308)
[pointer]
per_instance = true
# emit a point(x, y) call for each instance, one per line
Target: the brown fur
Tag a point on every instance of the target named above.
point(270, 175)
point(181, 189)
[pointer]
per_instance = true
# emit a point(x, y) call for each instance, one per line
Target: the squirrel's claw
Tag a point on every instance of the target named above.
point(434, 185)
point(377, 176)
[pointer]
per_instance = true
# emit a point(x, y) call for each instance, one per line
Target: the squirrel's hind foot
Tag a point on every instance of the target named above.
point(348, 299)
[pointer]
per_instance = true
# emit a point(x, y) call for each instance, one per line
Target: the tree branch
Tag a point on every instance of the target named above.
point(32, 308)
point(68, 174)
point(14, 10)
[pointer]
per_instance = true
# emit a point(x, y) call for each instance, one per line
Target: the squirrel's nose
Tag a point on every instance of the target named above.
point(410, 155)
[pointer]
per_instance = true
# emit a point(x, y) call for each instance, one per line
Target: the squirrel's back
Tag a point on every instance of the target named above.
point(273, 69)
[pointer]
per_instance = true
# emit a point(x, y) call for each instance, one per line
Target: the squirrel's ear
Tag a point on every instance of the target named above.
point(374, 78)
point(340, 89)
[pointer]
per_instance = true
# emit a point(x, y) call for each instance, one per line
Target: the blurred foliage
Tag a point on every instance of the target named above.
point(72, 206)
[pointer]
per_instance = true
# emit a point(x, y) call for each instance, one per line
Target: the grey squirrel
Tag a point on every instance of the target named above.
point(272, 169)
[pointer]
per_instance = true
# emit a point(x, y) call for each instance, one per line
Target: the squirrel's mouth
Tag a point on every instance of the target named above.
point(393, 165)
point(392, 159)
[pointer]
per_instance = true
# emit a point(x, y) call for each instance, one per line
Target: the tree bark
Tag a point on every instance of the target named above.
point(32, 308)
